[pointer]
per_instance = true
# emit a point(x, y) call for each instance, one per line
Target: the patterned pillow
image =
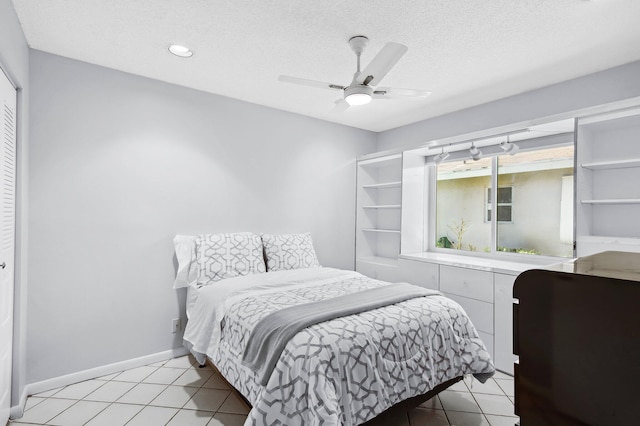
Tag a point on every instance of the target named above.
point(289, 251)
point(223, 256)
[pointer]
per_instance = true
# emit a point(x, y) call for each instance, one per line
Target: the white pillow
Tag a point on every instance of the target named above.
point(185, 246)
point(289, 251)
point(223, 256)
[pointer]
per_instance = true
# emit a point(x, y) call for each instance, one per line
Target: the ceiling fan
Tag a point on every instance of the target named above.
point(361, 89)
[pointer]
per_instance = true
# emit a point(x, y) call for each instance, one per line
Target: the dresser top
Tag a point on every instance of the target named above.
point(611, 264)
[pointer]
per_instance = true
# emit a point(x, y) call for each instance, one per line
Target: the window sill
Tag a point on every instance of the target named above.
point(482, 263)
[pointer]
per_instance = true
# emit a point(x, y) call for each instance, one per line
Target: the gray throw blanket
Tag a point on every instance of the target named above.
point(272, 333)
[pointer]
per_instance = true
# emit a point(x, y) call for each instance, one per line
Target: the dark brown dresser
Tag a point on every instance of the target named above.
point(577, 338)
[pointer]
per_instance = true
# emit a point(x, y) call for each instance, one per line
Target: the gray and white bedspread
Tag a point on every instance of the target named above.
point(344, 371)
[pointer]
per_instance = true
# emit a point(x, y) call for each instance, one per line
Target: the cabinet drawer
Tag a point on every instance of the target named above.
point(470, 283)
point(419, 273)
point(481, 313)
point(487, 339)
point(387, 273)
point(366, 268)
point(503, 324)
point(378, 271)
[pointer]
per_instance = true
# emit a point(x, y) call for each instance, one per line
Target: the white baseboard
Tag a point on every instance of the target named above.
point(4, 416)
point(92, 373)
point(17, 410)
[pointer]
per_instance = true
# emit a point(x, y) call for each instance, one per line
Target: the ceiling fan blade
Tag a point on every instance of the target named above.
point(382, 63)
point(341, 106)
point(393, 93)
point(311, 83)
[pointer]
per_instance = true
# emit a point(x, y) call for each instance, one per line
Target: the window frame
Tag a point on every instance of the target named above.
point(431, 208)
point(488, 204)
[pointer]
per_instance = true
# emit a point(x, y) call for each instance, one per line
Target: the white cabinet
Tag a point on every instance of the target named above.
point(485, 294)
point(503, 322)
point(423, 274)
point(473, 290)
point(471, 283)
point(379, 269)
point(481, 313)
point(608, 172)
point(379, 193)
point(487, 339)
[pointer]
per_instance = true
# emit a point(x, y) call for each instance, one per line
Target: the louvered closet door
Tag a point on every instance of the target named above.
point(7, 237)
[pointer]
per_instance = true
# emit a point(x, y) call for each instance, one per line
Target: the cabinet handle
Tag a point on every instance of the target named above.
point(3, 265)
point(516, 329)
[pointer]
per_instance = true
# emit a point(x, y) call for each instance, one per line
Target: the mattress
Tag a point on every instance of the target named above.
point(343, 371)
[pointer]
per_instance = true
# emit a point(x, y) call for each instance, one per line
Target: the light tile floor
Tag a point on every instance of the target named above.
point(177, 392)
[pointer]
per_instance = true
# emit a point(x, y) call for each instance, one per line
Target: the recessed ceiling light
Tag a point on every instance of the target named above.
point(182, 51)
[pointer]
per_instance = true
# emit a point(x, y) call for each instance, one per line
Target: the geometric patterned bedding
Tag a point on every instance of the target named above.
point(347, 370)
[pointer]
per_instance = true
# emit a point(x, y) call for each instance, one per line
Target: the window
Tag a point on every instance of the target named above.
point(504, 204)
point(530, 213)
point(460, 202)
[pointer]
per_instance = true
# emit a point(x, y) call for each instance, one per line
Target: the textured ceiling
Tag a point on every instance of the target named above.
point(466, 52)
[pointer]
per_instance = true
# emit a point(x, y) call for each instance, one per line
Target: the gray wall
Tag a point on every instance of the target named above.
point(14, 60)
point(611, 85)
point(120, 164)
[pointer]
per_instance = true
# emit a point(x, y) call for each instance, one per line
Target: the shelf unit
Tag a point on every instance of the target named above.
point(608, 194)
point(390, 206)
point(393, 231)
point(612, 201)
point(383, 185)
point(618, 164)
point(378, 215)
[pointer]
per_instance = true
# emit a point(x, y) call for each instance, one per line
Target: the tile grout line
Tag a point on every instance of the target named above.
point(192, 367)
point(166, 386)
point(478, 404)
point(110, 403)
point(76, 400)
point(148, 404)
point(213, 413)
point(97, 414)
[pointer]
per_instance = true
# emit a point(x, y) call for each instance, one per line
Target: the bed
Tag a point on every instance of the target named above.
point(344, 369)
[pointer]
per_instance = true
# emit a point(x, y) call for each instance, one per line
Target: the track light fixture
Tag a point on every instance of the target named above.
point(476, 154)
point(508, 147)
point(441, 157)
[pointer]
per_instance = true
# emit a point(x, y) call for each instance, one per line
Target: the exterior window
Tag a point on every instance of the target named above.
point(542, 204)
point(531, 212)
point(504, 204)
point(460, 203)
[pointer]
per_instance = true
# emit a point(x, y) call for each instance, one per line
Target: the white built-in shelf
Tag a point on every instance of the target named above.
point(591, 244)
point(379, 260)
point(383, 161)
point(387, 231)
point(383, 185)
point(617, 164)
point(389, 206)
point(613, 201)
point(610, 118)
point(379, 180)
point(608, 239)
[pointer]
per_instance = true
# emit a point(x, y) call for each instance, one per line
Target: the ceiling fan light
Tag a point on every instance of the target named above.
point(358, 99)
point(358, 95)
